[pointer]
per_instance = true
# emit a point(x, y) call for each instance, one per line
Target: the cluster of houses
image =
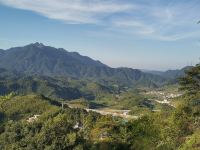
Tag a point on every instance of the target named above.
point(164, 96)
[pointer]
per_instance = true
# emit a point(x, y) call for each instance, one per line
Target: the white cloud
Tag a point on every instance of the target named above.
point(71, 11)
point(153, 19)
point(134, 26)
point(163, 22)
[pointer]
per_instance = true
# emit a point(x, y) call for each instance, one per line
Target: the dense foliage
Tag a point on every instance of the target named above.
point(30, 121)
point(67, 89)
point(191, 81)
point(52, 87)
point(55, 128)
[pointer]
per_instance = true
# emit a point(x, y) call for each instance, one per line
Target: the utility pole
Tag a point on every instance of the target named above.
point(62, 105)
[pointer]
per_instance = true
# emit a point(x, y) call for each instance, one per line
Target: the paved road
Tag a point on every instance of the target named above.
point(113, 112)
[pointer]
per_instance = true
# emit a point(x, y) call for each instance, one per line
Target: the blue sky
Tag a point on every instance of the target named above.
point(145, 34)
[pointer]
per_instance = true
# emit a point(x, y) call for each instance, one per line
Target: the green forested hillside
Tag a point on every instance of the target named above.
point(57, 88)
point(67, 89)
point(32, 115)
point(40, 85)
point(57, 128)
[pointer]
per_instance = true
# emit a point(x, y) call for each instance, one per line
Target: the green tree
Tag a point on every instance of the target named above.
point(191, 81)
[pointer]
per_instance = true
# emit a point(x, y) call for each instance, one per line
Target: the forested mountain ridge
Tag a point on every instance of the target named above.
point(45, 60)
point(38, 59)
point(53, 87)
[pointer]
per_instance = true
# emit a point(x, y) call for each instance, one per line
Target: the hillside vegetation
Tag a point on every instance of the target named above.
point(57, 128)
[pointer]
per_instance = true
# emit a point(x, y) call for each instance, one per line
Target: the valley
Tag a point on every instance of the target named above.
point(156, 100)
point(88, 84)
point(74, 102)
point(98, 87)
point(99, 75)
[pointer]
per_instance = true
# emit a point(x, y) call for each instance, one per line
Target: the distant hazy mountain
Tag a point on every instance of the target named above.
point(153, 72)
point(170, 74)
point(38, 59)
point(174, 73)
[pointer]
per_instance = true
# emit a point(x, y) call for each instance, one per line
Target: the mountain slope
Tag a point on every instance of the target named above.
point(56, 88)
point(1, 52)
point(38, 59)
point(40, 85)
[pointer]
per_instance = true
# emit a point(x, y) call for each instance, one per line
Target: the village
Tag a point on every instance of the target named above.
point(163, 97)
point(160, 97)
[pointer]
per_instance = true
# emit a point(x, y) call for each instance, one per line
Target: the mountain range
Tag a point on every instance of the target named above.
point(38, 59)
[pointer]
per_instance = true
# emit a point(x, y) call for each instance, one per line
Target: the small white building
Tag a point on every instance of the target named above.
point(32, 119)
point(77, 126)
